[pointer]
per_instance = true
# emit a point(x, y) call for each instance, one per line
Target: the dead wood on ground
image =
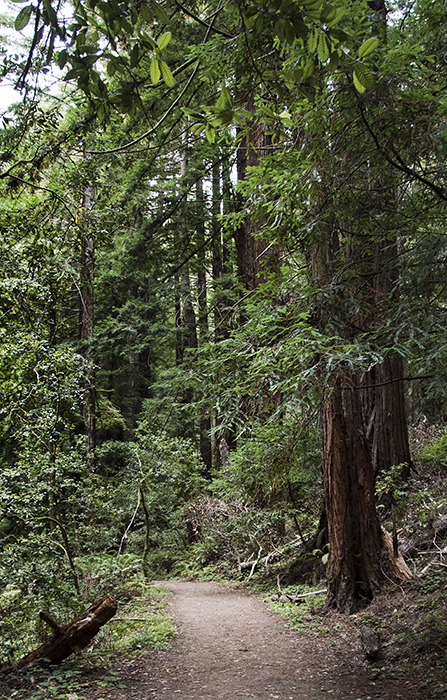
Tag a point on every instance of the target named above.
point(72, 638)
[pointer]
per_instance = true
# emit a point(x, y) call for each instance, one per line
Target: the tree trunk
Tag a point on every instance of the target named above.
point(86, 324)
point(355, 561)
point(188, 315)
point(252, 262)
point(179, 342)
point(387, 422)
point(72, 638)
point(202, 321)
point(385, 400)
point(189, 332)
point(245, 255)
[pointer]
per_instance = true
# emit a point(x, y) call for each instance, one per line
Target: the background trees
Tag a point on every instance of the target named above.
point(263, 189)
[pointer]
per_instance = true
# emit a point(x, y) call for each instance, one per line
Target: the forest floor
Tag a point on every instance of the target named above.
point(229, 645)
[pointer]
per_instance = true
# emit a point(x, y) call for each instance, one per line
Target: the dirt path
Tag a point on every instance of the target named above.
point(229, 646)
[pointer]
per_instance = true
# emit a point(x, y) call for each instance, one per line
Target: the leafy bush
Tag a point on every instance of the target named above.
point(436, 451)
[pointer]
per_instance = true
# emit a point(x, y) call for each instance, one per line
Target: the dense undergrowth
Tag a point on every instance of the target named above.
point(140, 626)
point(220, 535)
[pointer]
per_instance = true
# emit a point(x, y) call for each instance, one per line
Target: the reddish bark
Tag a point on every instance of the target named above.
point(72, 638)
point(355, 552)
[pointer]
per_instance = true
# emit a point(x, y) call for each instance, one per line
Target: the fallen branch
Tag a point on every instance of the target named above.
point(432, 563)
point(255, 563)
point(286, 598)
point(278, 552)
point(72, 638)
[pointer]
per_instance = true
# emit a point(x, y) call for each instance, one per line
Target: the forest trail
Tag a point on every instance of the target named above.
point(229, 646)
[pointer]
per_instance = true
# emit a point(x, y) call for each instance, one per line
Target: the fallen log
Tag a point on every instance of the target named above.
point(286, 598)
point(72, 638)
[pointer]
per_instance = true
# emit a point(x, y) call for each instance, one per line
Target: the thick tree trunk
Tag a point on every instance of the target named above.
point(355, 561)
point(217, 263)
point(364, 424)
point(359, 557)
point(385, 401)
point(245, 255)
point(386, 420)
point(188, 315)
point(189, 334)
point(72, 638)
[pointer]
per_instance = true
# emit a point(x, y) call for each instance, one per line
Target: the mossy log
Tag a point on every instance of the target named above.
point(72, 638)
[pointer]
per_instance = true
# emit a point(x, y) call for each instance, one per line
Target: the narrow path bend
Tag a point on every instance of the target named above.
point(229, 646)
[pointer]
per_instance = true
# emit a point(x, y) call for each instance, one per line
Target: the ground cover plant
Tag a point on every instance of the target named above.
point(140, 626)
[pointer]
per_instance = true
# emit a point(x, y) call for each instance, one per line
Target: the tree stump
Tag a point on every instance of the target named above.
point(72, 638)
point(371, 643)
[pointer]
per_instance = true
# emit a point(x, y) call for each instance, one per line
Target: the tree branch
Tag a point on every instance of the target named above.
point(399, 163)
point(201, 21)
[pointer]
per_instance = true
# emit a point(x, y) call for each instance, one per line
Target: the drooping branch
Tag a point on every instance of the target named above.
point(397, 162)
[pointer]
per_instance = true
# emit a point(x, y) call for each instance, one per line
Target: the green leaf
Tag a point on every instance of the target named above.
point(284, 30)
point(363, 79)
point(147, 42)
point(155, 71)
point(50, 11)
point(337, 18)
point(312, 42)
point(224, 118)
point(308, 69)
point(328, 14)
point(164, 40)
point(225, 100)
point(210, 133)
point(146, 14)
point(62, 58)
point(289, 80)
point(333, 63)
point(134, 56)
point(323, 48)
point(192, 112)
point(258, 26)
point(160, 12)
point(166, 73)
point(338, 34)
point(311, 3)
point(314, 9)
point(101, 113)
point(23, 17)
point(368, 47)
point(268, 111)
point(74, 73)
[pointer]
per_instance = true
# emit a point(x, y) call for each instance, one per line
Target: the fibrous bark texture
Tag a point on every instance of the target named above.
point(354, 563)
point(72, 638)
